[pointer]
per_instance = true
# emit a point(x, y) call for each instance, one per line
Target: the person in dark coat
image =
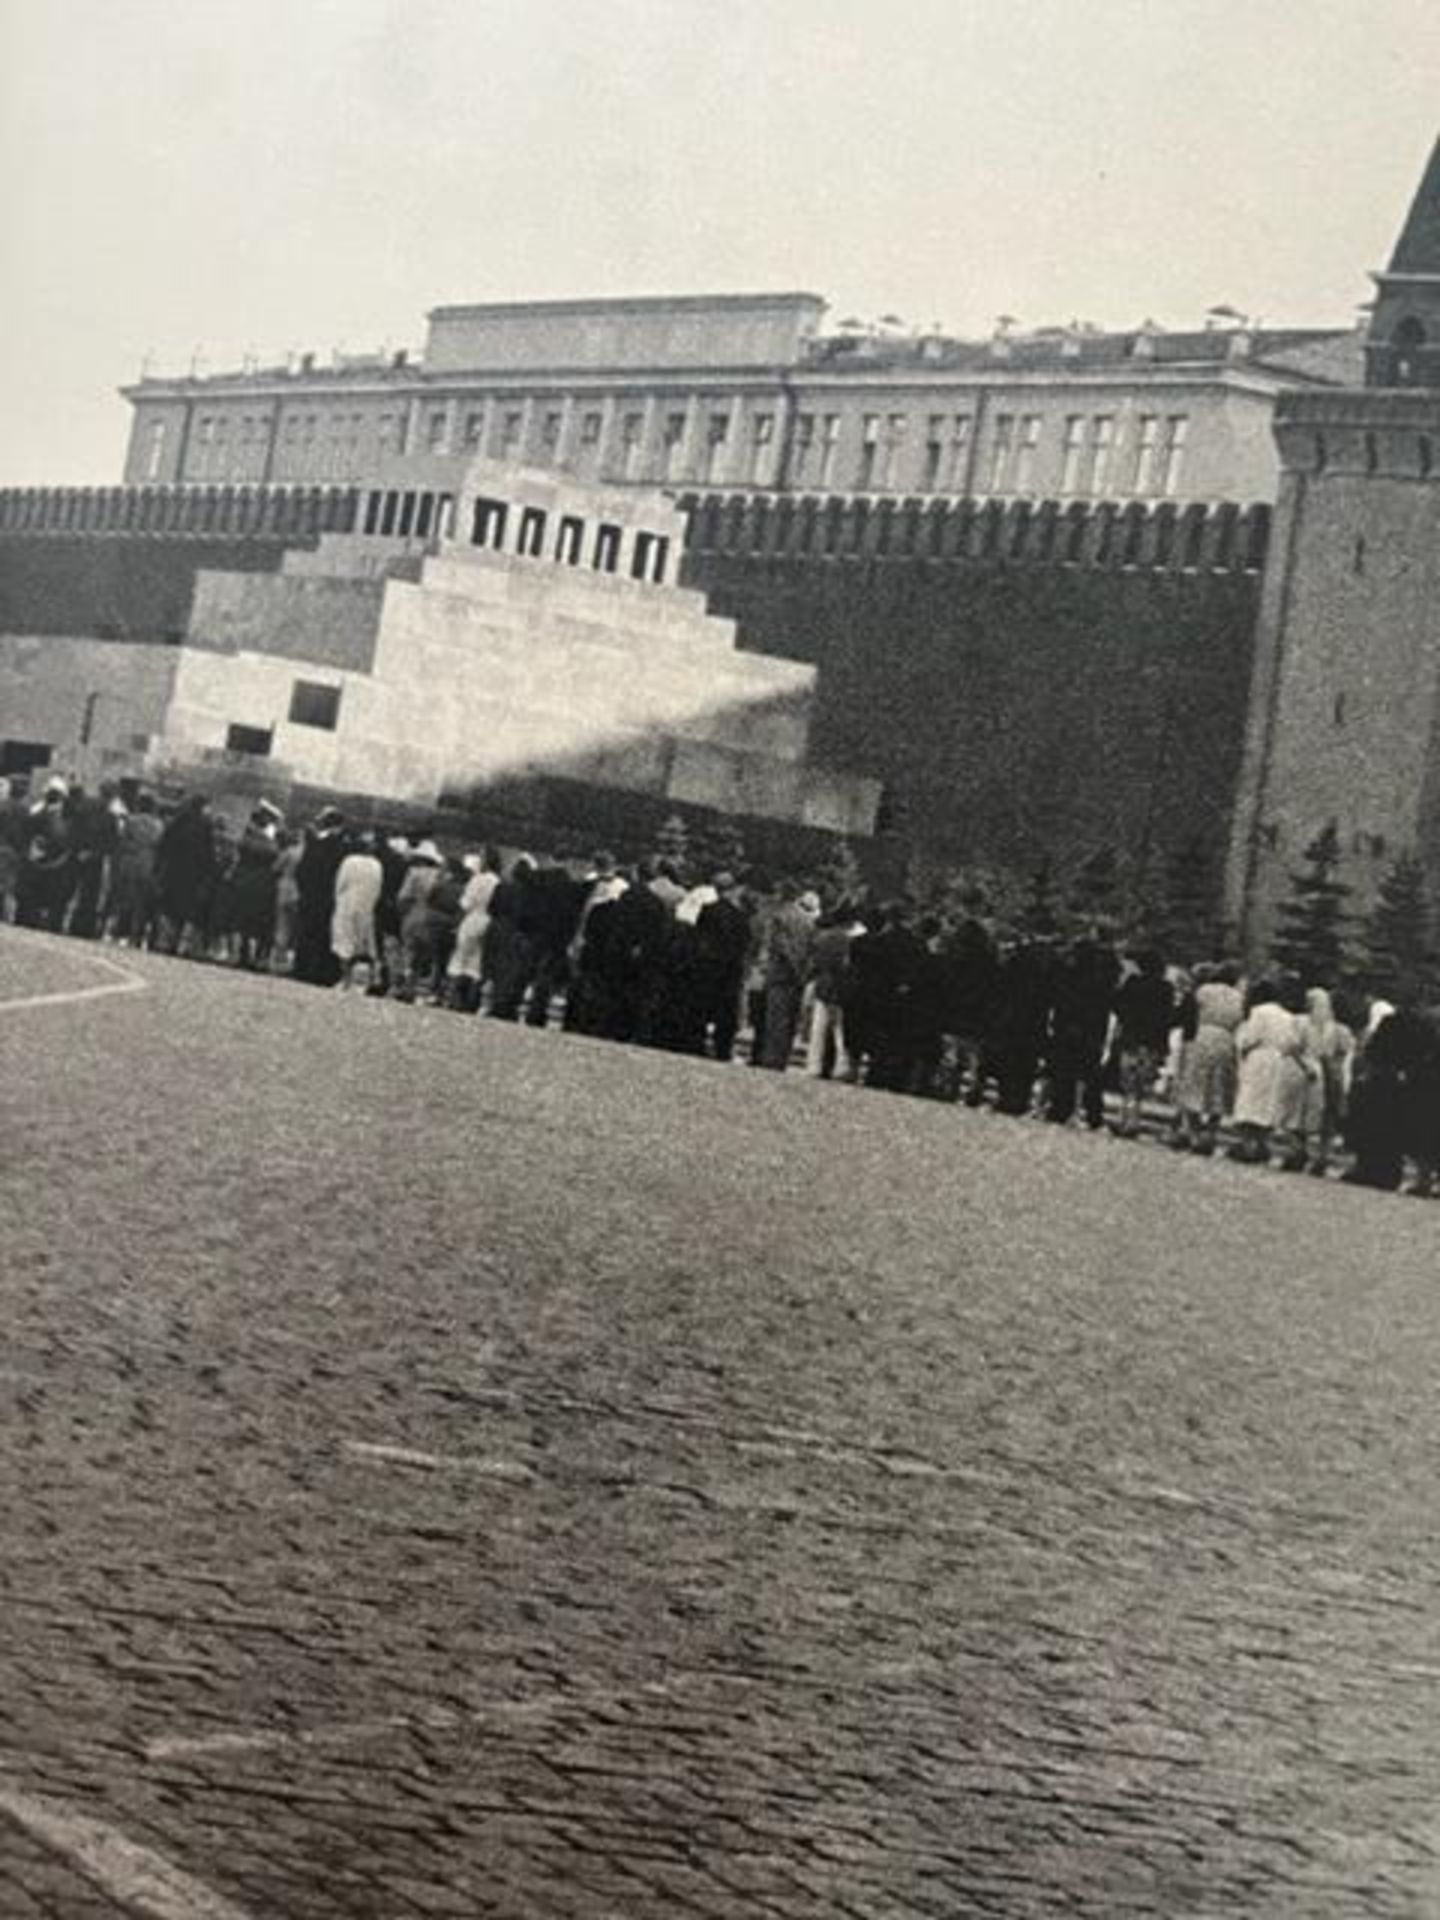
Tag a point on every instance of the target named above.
point(722, 943)
point(1019, 1023)
point(925, 1044)
point(509, 951)
point(325, 848)
point(789, 945)
point(1394, 1097)
point(94, 834)
point(252, 889)
point(639, 939)
point(550, 915)
point(1145, 1011)
point(895, 965)
point(390, 850)
point(671, 997)
point(14, 836)
point(969, 968)
point(1086, 980)
point(185, 872)
point(1422, 1104)
point(826, 1051)
point(595, 988)
point(864, 1010)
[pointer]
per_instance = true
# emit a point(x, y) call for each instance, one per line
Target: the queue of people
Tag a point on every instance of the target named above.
point(949, 1007)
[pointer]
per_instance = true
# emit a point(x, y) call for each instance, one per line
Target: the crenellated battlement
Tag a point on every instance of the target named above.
point(1105, 535)
point(1164, 536)
point(298, 513)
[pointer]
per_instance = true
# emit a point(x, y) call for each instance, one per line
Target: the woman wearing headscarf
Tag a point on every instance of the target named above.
point(1330, 1044)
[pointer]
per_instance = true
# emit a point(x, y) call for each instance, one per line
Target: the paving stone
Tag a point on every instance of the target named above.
point(799, 1503)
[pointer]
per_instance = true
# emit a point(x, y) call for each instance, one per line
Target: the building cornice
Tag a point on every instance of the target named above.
point(625, 303)
point(417, 383)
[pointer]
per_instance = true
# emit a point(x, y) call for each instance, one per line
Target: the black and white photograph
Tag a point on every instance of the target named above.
point(720, 960)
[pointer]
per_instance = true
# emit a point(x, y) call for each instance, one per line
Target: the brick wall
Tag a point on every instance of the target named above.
point(1017, 702)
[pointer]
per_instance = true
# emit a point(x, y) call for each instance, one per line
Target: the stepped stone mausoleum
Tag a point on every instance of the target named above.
point(471, 623)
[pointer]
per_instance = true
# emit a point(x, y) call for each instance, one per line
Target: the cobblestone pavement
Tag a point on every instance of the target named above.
point(447, 1470)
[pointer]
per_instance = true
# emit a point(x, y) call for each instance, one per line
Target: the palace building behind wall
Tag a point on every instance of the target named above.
point(748, 391)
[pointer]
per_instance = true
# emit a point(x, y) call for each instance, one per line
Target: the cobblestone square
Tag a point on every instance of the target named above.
point(450, 1470)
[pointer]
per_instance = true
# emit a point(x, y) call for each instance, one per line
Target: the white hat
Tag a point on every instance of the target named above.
point(428, 852)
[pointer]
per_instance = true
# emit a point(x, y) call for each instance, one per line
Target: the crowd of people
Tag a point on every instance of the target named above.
point(1297, 1074)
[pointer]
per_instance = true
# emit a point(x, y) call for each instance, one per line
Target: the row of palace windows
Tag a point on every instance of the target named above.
point(1095, 456)
point(1093, 459)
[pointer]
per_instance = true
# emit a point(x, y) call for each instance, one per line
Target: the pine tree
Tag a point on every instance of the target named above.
point(1401, 962)
point(1188, 928)
point(1311, 935)
point(1142, 911)
point(1037, 916)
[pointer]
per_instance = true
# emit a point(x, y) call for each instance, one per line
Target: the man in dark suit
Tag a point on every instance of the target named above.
point(722, 940)
point(1086, 980)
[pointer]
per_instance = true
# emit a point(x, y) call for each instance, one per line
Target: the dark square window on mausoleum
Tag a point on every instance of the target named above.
point(23, 756)
point(313, 704)
point(256, 740)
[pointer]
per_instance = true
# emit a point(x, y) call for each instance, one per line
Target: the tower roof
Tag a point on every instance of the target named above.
point(1418, 248)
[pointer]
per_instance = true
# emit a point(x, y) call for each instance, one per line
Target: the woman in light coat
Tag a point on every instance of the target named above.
point(1205, 1082)
point(1330, 1044)
point(1273, 1078)
point(465, 971)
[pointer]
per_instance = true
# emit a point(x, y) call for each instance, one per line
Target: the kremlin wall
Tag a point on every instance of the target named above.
point(950, 673)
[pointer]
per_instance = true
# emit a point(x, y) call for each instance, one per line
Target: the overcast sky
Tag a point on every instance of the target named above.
point(262, 175)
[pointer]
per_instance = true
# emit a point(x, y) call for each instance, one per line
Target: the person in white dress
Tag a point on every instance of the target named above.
point(358, 881)
point(1205, 1080)
point(1330, 1044)
point(465, 970)
point(1273, 1076)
